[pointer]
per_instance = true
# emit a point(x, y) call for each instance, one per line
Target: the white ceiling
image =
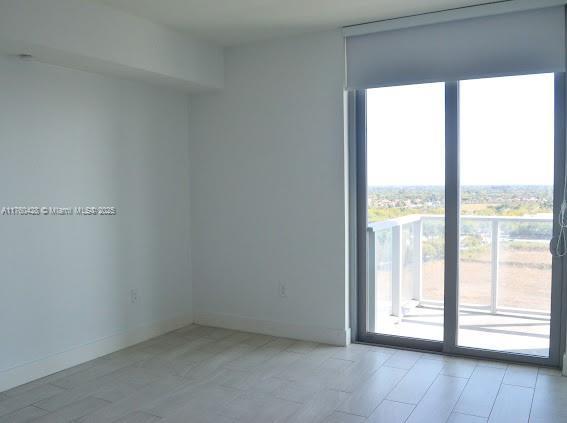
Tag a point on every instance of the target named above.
point(232, 22)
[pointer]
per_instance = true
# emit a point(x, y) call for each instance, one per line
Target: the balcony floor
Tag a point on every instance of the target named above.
point(498, 332)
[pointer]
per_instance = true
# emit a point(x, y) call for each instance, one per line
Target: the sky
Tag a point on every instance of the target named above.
point(506, 132)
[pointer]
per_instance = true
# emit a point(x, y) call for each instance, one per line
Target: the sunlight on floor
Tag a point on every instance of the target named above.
point(498, 332)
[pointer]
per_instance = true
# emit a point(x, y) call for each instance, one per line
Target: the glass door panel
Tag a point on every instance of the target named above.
point(405, 165)
point(506, 213)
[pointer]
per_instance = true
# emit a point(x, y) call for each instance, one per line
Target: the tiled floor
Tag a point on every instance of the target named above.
point(207, 375)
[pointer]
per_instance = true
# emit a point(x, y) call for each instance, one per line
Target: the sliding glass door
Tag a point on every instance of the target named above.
point(506, 213)
point(456, 188)
point(406, 209)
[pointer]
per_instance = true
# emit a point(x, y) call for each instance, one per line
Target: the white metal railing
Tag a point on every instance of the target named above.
point(396, 226)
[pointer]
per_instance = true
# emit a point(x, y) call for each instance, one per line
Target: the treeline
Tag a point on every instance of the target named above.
point(511, 200)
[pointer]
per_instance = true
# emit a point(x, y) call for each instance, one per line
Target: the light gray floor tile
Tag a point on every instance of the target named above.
point(300, 392)
point(22, 389)
point(73, 411)
point(151, 394)
point(28, 397)
point(439, 401)
point(200, 374)
point(102, 367)
point(433, 356)
point(207, 332)
point(321, 404)
point(550, 400)
point(493, 364)
point(512, 405)
point(260, 355)
point(230, 378)
point(23, 415)
point(302, 347)
point(138, 417)
point(391, 412)
point(548, 371)
point(465, 418)
point(480, 392)
point(359, 371)
point(168, 353)
point(207, 368)
point(258, 340)
point(458, 367)
point(307, 365)
point(260, 408)
point(191, 416)
point(338, 417)
point(111, 387)
point(403, 359)
point(314, 377)
point(364, 400)
point(205, 404)
point(219, 333)
point(278, 364)
point(416, 382)
point(355, 352)
point(521, 376)
point(316, 367)
point(330, 371)
point(48, 379)
point(198, 398)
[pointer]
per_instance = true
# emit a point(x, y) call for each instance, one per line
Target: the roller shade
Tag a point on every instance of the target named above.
point(505, 44)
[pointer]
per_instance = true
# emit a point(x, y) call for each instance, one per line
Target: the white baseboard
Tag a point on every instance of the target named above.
point(339, 337)
point(54, 363)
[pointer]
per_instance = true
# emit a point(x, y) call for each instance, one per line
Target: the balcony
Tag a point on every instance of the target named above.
point(504, 287)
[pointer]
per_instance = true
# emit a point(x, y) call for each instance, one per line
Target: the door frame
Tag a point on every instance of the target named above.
point(449, 345)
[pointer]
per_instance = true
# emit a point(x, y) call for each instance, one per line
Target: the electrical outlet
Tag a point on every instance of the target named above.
point(133, 296)
point(282, 289)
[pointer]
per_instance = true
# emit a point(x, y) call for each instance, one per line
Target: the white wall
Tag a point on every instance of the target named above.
point(84, 35)
point(267, 191)
point(71, 138)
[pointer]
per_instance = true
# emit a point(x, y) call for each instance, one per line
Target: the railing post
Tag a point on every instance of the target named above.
point(418, 250)
point(371, 272)
point(494, 266)
point(397, 270)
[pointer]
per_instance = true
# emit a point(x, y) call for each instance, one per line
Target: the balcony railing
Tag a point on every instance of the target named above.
point(416, 222)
